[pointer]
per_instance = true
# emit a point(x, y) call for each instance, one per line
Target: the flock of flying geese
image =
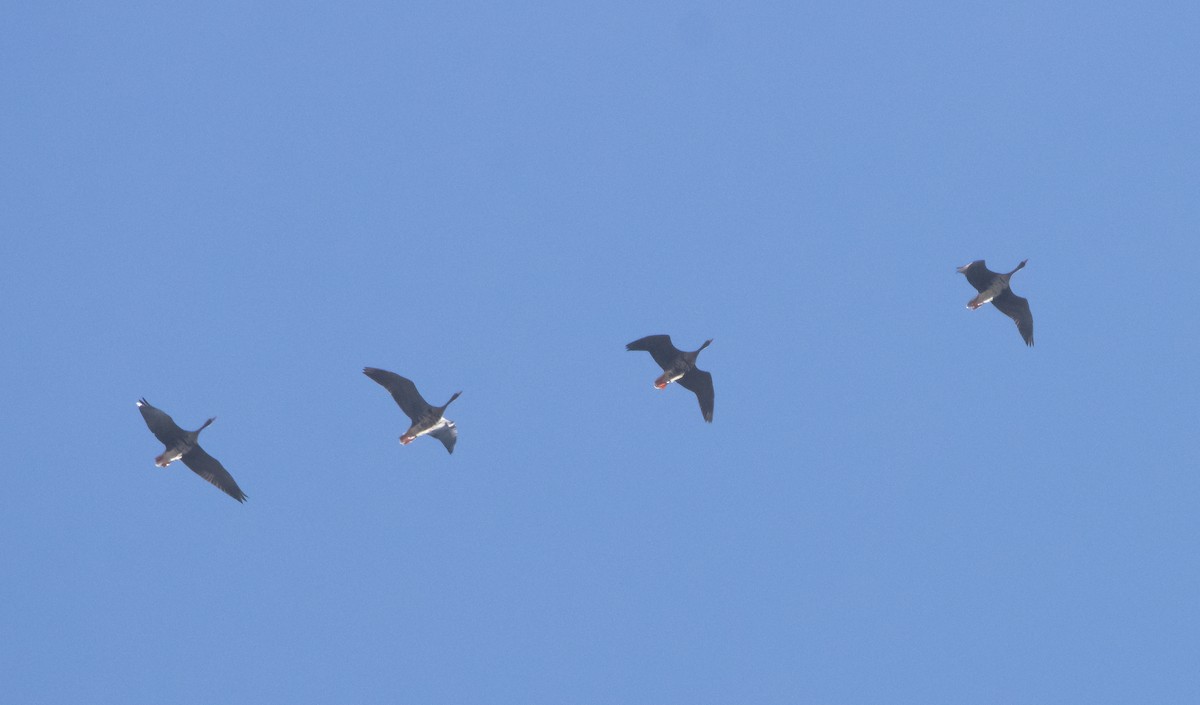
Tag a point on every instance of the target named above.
point(677, 365)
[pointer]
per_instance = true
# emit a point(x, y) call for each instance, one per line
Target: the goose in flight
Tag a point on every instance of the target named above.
point(426, 419)
point(679, 366)
point(994, 287)
point(183, 445)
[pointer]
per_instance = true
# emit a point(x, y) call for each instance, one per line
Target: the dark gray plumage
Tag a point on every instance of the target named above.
point(679, 366)
point(183, 445)
point(995, 287)
point(426, 419)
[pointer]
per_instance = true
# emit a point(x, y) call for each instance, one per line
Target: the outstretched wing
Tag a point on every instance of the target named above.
point(211, 469)
point(403, 391)
point(447, 433)
point(979, 275)
point(160, 424)
point(659, 347)
point(700, 382)
point(1016, 308)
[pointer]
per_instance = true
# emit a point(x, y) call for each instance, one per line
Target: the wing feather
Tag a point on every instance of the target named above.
point(211, 469)
point(701, 383)
point(447, 433)
point(160, 424)
point(659, 347)
point(979, 275)
point(1016, 308)
point(403, 391)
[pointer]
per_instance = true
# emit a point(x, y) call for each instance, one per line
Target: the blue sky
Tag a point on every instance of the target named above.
point(230, 209)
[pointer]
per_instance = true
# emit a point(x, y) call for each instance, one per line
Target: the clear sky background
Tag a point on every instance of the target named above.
point(230, 208)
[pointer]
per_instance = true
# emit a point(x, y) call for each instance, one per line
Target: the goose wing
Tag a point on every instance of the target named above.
point(211, 469)
point(447, 433)
point(659, 347)
point(1016, 308)
point(700, 382)
point(160, 424)
point(979, 275)
point(403, 391)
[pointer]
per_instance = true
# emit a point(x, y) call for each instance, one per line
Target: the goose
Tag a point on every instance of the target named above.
point(183, 445)
point(426, 419)
point(994, 287)
point(679, 366)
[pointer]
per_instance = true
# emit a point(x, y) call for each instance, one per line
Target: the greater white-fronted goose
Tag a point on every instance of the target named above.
point(679, 366)
point(994, 287)
point(426, 419)
point(183, 445)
